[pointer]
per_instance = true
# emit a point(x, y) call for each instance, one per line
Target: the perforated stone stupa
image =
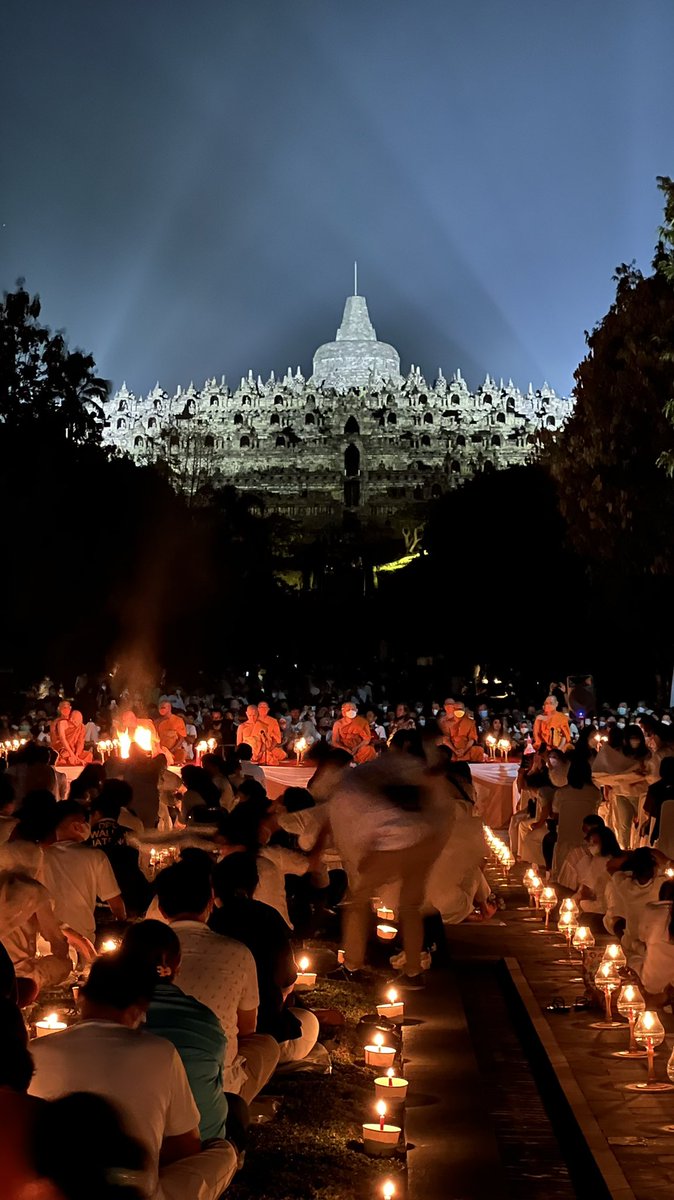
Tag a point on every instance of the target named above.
point(356, 437)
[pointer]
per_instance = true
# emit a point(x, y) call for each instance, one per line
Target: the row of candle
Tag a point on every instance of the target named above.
point(11, 745)
point(381, 1138)
point(497, 746)
point(501, 853)
point(646, 1029)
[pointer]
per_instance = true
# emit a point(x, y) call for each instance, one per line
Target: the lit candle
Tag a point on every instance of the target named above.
point(394, 1007)
point(340, 957)
point(379, 1055)
point(380, 1139)
point(385, 914)
point(305, 978)
point(491, 744)
point(50, 1024)
point(614, 953)
point(391, 1087)
point(386, 933)
point(388, 1190)
point(109, 945)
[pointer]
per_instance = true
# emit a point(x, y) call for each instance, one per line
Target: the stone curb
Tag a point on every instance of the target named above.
point(607, 1165)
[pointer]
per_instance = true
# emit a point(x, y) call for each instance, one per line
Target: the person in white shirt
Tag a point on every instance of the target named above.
point(656, 969)
point(221, 973)
point(76, 875)
point(108, 1054)
point(386, 831)
point(635, 881)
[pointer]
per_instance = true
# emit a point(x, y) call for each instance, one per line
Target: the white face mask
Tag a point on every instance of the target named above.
point(620, 724)
point(459, 713)
point(351, 713)
point(436, 711)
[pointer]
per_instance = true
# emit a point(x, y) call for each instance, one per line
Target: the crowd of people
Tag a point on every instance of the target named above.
point(173, 888)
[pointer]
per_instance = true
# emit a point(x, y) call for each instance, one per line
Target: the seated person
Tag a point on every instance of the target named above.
point(266, 935)
point(635, 881)
point(568, 876)
point(656, 968)
point(244, 754)
point(76, 875)
point(272, 739)
point(107, 1054)
point(353, 734)
point(171, 732)
point(192, 1028)
point(108, 835)
point(593, 878)
point(219, 972)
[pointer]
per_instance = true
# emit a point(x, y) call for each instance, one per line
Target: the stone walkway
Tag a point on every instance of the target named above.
point(495, 1118)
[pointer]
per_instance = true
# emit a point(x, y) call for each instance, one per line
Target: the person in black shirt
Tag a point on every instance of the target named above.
point(266, 935)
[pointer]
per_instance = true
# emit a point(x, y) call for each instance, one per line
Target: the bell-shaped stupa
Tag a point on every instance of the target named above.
point(355, 358)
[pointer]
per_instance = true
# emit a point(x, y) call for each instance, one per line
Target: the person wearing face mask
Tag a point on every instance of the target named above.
point(571, 803)
point(593, 877)
point(551, 728)
point(483, 718)
point(568, 874)
point(619, 771)
point(76, 875)
point(459, 733)
point(353, 734)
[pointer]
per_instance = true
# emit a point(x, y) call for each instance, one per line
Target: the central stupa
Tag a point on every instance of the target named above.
point(355, 358)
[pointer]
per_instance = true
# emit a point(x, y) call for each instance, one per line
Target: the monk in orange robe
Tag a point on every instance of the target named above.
point(171, 731)
point(75, 733)
point(459, 733)
point(273, 751)
point(551, 728)
point(353, 734)
point(251, 731)
point(58, 735)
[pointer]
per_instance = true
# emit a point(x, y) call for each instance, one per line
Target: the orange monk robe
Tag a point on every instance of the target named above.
point(552, 731)
point(348, 733)
point(273, 751)
point(75, 734)
point(252, 733)
point(460, 735)
point(171, 731)
point(59, 737)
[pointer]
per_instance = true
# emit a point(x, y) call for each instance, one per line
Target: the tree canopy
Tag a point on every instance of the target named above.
point(616, 501)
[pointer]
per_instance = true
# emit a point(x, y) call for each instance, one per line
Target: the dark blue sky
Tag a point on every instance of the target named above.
point(187, 184)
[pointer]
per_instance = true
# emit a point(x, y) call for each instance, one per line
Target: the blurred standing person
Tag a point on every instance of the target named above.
point(386, 831)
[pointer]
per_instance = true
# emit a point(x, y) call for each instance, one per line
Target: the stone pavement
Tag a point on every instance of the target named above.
point(627, 1132)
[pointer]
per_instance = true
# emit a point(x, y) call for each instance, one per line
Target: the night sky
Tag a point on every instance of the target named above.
point(187, 184)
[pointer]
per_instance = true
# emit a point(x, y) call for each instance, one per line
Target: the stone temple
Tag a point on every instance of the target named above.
point(357, 439)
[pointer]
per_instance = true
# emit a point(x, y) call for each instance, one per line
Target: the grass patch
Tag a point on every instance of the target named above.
point(312, 1149)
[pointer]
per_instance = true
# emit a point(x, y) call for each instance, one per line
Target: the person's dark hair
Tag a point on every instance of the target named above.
point(235, 875)
point(153, 942)
point(90, 779)
point(35, 754)
point(538, 779)
point(214, 764)
point(16, 1064)
point(6, 790)
point(106, 1152)
point(641, 864)
point(616, 739)
point(182, 888)
point(296, 799)
point(199, 781)
point(71, 808)
point(408, 741)
point(580, 773)
point(115, 794)
point(253, 790)
point(244, 752)
point(608, 842)
point(36, 816)
point(667, 769)
point(119, 981)
point(197, 858)
point(634, 732)
point(243, 825)
point(594, 821)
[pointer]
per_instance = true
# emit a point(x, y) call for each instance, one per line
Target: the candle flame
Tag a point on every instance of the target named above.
point(629, 992)
point(52, 1020)
point(143, 738)
point(388, 1190)
point(649, 1020)
point(124, 738)
point(381, 1108)
point(304, 964)
point(613, 951)
point(392, 995)
point(379, 1039)
point(109, 945)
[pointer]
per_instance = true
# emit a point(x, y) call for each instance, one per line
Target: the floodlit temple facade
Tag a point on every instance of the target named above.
point(357, 437)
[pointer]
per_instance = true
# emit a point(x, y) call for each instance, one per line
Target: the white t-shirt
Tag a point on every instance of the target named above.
point(657, 969)
point(221, 973)
point(140, 1073)
point(273, 864)
point(75, 875)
